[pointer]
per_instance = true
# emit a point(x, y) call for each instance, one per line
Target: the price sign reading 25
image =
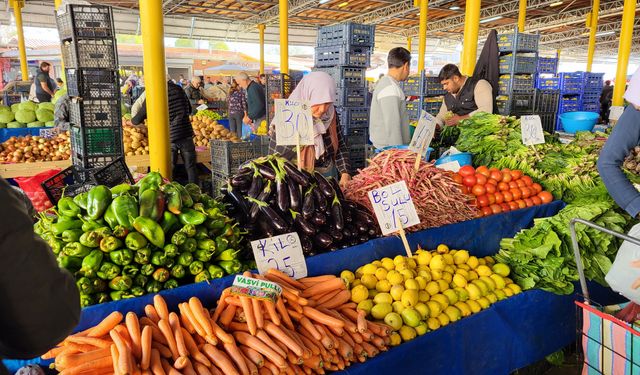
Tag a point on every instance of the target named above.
point(392, 203)
point(293, 120)
point(283, 252)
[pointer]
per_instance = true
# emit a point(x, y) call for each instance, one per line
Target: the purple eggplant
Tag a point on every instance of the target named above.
point(307, 246)
point(278, 223)
point(266, 227)
point(336, 187)
point(266, 171)
point(255, 206)
point(238, 201)
point(294, 195)
point(321, 200)
point(282, 194)
point(363, 216)
point(241, 180)
point(302, 225)
point(336, 213)
point(362, 227)
point(308, 204)
point(336, 234)
point(323, 240)
point(295, 174)
point(256, 186)
point(319, 219)
point(324, 186)
point(363, 238)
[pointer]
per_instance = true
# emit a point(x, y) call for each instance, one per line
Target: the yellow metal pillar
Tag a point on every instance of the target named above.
point(261, 31)
point(522, 15)
point(422, 40)
point(624, 50)
point(17, 13)
point(409, 40)
point(284, 36)
point(470, 44)
point(155, 78)
point(592, 23)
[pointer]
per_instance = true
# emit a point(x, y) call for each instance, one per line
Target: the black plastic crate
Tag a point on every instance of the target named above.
point(279, 86)
point(69, 182)
point(520, 64)
point(115, 173)
point(90, 53)
point(218, 181)
point(89, 163)
point(518, 42)
point(358, 156)
point(351, 96)
point(92, 142)
point(546, 101)
point(548, 120)
point(357, 137)
point(92, 113)
point(93, 83)
point(227, 156)
point(85, 21)
point(353, 118)
point(343, 56)
point(516, 103)
point(346, 76)
point(521, 83)
point(348, 34)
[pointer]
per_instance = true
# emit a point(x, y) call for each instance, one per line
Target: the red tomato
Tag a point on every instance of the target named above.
point(521, 183)
point(505, 170)
point(503, 186)
point(516, 174)
point(513, 206)
point(499, 198)
point(536, 200)
point(517, 194)
point(492, 198)
point(457, 178)
point(469, 181)
point(528, 202)
point(494, 169)
point(505, 207)
point(526, 192)
point(481, 179)
point(487, 211)
point(521, 203)
point(536, 188)
point(467, 170)
point(527, 180)
point(496, 175)
point(483, 170)
point(465, 189)
point(496, 208)
point(506, 176)
point(490, 188)
point(479, 214)
point(478, 190)
point(492, 182)
point(546, 197)
point(508, 197)
point(513, 185)
point(483, 201)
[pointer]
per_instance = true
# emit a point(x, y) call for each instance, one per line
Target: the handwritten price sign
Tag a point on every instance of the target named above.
point(423, 135)
point(293, 120)
point(532, 133)
point(283, 252)
point(393, 202)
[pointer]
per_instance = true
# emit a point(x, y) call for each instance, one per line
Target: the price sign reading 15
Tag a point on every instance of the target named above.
point(393, 202)
point(294, 123)
point(283, 252)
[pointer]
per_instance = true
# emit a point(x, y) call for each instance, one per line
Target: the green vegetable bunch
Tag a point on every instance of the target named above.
point(209, 114)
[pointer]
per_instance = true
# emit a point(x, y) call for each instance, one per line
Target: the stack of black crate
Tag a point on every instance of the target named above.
point(88, 43)
point(344, 52)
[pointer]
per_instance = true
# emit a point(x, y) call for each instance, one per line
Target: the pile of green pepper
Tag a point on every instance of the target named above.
point(131, 240)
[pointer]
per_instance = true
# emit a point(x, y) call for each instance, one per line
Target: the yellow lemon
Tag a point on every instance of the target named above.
point(369, 269)
point(396, 292)
point(460, 257)
point(453, 313)
point(451, 295)
point(388, 264)
point(383, 298)
point(366, 305)
point(449, 269)
point(381, 273)
point(359, 272)
point(508, 292)
point(409, 297)
point(424, 258)
point(383, 286)
point(462, 272)
point(474, 291)
point(372, 293)
point(399, 259)
point(425, 274)
point(501, 269)
point(465, 310)
point(474, 306)
point(422, 282)
point(435, 308)
point(398, 307)
point(498, 280)
point(490, 261)
point(442, 285)
point(412, 263)
point(433, 324)
point(444, 319)
point(402, 267)
point(448, 259)
point(441, 299)
point(432, 288)
point(369, 280)
point(437, 263)
point(442, 249)
point(395, 278)
point(459, 280)
point(355, 283)
point(483, 270)
point(411, 317)
point(423, 296)
point(515, 288)
point(484, 302)
point(462, 293)
point(500, 294)
point(422, 328)
point(508, 281)
point(473, 275)
point(447, 276)
point(393, 320)
point(423, 309)
point(395, 339)
point(359, 293)
point(484, 289)
point(492, 298)
point(411, 284)
point(348, 276)
point(489, 282)
point(406, 274)
point(473, 262)
point(436, 274)
point(482, 262)
point(463, 267)
point(380, 310)
point(377, 263)
point(407, 333)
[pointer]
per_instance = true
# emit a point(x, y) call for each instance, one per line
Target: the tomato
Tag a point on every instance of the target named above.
point(526, 192)
point(481, 179)
point(505, 170)
point(487, 211)
point(513, 185)
point(494, 169)
point(492, 182)
point(536, 200)
point(483, 201)
point(537, 188)
point(483, 170)
point(492, 198)
point(478, 190)
point(513, 206)
point(517, 194)
point(467, 170)
point(503, 186)
point(521, 203)
point(496, 208)
point(508, 197)
point(479, 214)
point(529, 202)
point(521, 183)
point(465, 189)
point(527, 180)
point(505, 207)
point(457, 178)
point(496, 175)
point(490, 188)
point(546, 197)
point(516, 174)
point(469, 181)
point(499, 198)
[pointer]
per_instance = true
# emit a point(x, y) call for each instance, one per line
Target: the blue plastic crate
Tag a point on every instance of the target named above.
point(591, 97)
point(411, 86)
point(548, 83)
point(591, 107)
point(433, 86)
point(353, 118)
point(430, 86)
point(343, 55)
point(432, 106)
point(521, 83)
point(518, 42)
point(569, 104)
point(570, 84)
point(523, 64)
point(348, 34)
point(547, 65)
point(346, 76)
point(351, 96)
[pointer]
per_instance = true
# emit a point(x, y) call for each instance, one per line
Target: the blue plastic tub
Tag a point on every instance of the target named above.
point(463, 158)
point(573, 122)
point(403, 147)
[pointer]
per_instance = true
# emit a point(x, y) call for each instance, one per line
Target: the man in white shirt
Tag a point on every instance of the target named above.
point(465, 96)
point(389, 122)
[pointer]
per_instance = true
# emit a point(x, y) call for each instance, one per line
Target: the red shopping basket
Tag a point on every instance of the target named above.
point(609, 345)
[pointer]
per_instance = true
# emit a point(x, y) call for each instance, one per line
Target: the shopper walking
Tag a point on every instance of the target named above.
point(329, 154)
point(256, 101)
point(180, 130)
point(43, 83)
point(605, 101)
point(195, 93)
point(40, 301)
point(388, 120)
point(237, 108)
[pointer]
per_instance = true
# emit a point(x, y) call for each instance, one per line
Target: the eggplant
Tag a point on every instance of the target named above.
point(241, 180)
point(307, 245)
point(364, 216)
point(319, 219)
point(303, 225)
point(239, 202)
point(255, 207)
point(349, 232)
point(245, 168)
point(256, 186)
point(336, 234)
point(324, 186)
point(362, 227)
point(323, 240)
point(282, 194)
point(372, 233)
point(278, 223)
point(363, 238)
point(266, 227)
point(336, 187)
point(308, 204)
point(294, 195)
point(348, 218)
point(296, 175)
point(266, 171)
point(321, 200)
point(336, 213)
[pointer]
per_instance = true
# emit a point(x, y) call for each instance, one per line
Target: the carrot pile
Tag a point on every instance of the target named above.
point(312, 328)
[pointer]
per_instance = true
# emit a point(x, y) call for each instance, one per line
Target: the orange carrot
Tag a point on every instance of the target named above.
point(252, 355)
point(184, 320)
point(164, 350)
point(106, 325)
point(349, 340)
point(145, 347)
point(379, 343)
point(186, 310)
point(348, 324)
point(324, 287)
point(328, 296)
point(188, 370)
point(261, 347)
point(73, 360)
point(133, 326)
point(220, 359)
point(349, 305)
point(95, 366)
point(379, 329)
point(201, 369)
point(221, 334)
point(272, 367)
point(161, 307)
point(227, 315)
point(339, 299)
point(265, 338)
point(248, 313)
point(314, 362)
point(237, 357)
point(156, 364)
point(345, 350)
point(115, 357)
point(151, 313)
point(295, 315)
point(326, 340)
point(124, 360)
point(311, 345)
point(181, 363)
point(322, 318)
point(284, 314)
point(174, 323)
point(155, 331)
point(315, 279)
point(356, 337)
point(295, 283)
point(279, 334)
point(367, 335)
point(233, 300)
point(253, 369)
point(257, 312)
point(124, 333)
point(193, 349)
point(306, 323)
point(100, 343)
point(221, 305)
point(271, 312)
point(165, 328)
point(370, 349)
point(168, 369)
point(53, 352)
point(199, 314)
point(293, 358)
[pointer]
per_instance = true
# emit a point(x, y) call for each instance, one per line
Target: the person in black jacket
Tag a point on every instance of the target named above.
point(180, 130)
point(40, 301)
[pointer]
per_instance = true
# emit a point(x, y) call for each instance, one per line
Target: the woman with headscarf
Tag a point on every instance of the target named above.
point(329, 153)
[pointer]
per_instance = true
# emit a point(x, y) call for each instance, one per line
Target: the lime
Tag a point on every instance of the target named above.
point(393, 320)
point(380, 310)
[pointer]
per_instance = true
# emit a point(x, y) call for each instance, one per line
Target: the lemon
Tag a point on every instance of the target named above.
point(396, 292)
point(492, 298)
point(482, 262)
point(381, 273)
point(407, 333)
point(380, 310)
point(464, 267)
point(484, 289)
point(474, 306)
point(473, 275)
point(347, 275)
point(422, 282)
point(369, 269)
point(473, 262)
point(442, 249)
point(442, 285)
point(453, 313)
point(448, 259)
point(409, 297)
point(402, 267)
point(398, 307)
point(355, 283)
point(441, 299)
point(508, 292)
point(465, 310)
point(432, 288)
point(412, 263)
point(489, 282)
point(453, 252)
point(437, 263)
point(444, 319)
point(358, 272)
point(508, 281)
point(474, 291)
point(406, 274)
point(388, 264)
point(383, 286)
point(490, 261)
point(411, 317)
point(447, 276)
point(460, 257)
point(366, 305)
point(423, 309)
point(411, 284)
point(483, 270)
point(435, 308)
point(425, 274)
point(372, 293)
point(433, 324)
point(422, 328)
point(484, 302)
point(498, 280)
point(500, 294)
point(436, 275)
point(451, 295)
point(399, 259)
point(394, 277)
point(515, 288)
point(393, 320)
point(423, 296)
point(462, 293)
point(459, 280)
point(359, 293)
point(377, 263)
point(383, 298)
point(369, 281)
point(424, 258)
point(395, 339)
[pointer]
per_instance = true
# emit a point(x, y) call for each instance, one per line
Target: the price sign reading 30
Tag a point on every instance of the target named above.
point(393, 202)
point(293, 119)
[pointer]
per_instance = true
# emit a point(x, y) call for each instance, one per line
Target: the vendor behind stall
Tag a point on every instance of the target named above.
point(465, 96)
point(329, 151)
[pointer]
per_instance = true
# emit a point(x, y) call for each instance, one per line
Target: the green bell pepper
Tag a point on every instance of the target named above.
point(229, 254)
point(202, 276)
point(56, 245)
point(185, 259)
point(121, 257)
point(203, 255)
point(158, 258)
point(81, 200)
point(110, 217)
point(98, 200)
point(189, 229)
point(140, 280)
point(108, 271)
point(121, 283)
point(193, 217)
point(161, 275)
point(68, 208)
point(170, 262)
point(58, 228)
point(110, 243)
point(90, 239)
point(137, 291)
point(104, 231)
point(85, 285)
point(174, 201)
point(154, 286)
point(152, 204)
point(178, 238)
point(194, 191)
point(71, 235)
point(120, 232)
point(178, 271)
point(76, 249)
point(187, 201)
point(169, 222)
point(231, 266)
point(171, 250)
point(196, 267)
point(99, 285)
point(121, 189)
point(207, 244)
point(147, 270)
point(101, 298)
point(151, 230)
point(208, 202)
point(190, 245)
point(116, 295)
point(125, 207)
point(91, 263)
point(89, 225)
point(142, 256)
point(221, 244)
point(130, 270)
point(71, 264)
point(201, 233)
point(171, 284)
point(86, 300)
point(135, 241)
point(215, 271)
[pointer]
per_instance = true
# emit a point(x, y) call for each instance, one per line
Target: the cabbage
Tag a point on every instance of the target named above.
point(35, 124)
point(44, 115)
point(5, 108)
point(2, 125)
point(28, 105)
point(6, 116)
point(14, 125)
point(50, 124)
point(15, 107)
point(47, 105)
point(25, 117)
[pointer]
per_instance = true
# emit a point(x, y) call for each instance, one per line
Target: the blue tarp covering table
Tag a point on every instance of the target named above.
point(6, 133)
point(511, 334)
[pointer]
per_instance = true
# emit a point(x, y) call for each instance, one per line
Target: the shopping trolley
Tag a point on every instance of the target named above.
point(609, 345)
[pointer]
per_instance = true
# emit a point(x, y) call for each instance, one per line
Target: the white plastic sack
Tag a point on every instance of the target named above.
point(622, 274)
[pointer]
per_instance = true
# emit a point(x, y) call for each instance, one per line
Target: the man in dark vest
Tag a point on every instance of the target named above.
point(465, 96)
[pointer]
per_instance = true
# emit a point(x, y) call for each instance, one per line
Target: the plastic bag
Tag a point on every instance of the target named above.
point(32, 188)
point(622, 274)
point(246, 131)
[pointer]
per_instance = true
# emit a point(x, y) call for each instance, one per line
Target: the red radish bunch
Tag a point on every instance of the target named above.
point(499, 191)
